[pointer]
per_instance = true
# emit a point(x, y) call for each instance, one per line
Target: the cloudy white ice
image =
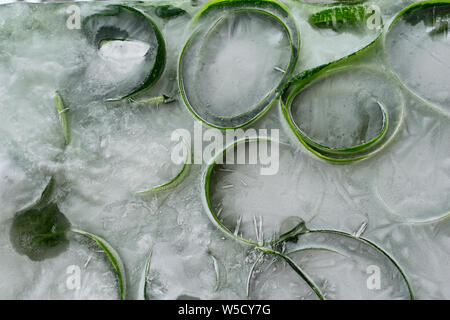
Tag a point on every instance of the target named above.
point(395, 198)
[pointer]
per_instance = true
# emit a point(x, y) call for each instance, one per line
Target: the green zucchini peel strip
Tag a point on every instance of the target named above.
point(178, 178)
point(297, 270)
point(213, 216)
point(42, 205)
point(298, 246)
point(168, 11)
point(220, 10)
point(391, 118)
point(113, 257)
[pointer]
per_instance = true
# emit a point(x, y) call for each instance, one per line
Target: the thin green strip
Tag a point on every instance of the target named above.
point(178, 178)
point(113, 257)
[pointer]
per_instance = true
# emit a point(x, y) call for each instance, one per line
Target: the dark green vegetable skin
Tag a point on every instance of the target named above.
point(40, 232)
point(168, 11)
point(339, 17)
point(433, 14)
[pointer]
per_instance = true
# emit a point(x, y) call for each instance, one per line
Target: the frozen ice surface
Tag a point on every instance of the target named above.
point(119, 148)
